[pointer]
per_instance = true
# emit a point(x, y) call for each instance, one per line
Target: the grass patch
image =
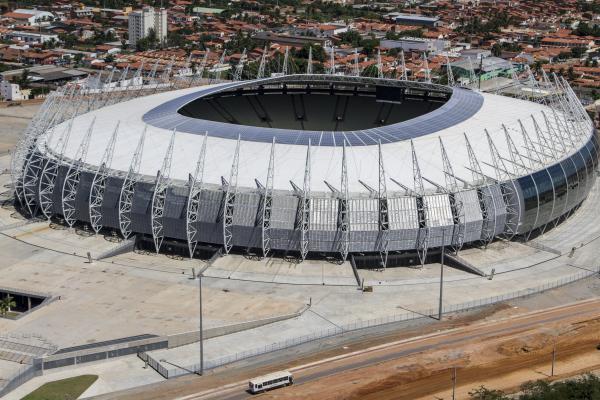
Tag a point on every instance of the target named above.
point(64, 389)
point(10, 315)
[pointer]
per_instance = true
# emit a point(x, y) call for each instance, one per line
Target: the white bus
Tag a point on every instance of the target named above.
point(271, 381)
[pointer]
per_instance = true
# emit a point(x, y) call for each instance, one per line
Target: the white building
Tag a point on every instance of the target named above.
point(30, 17)
point(31, 37)
point(416, 44)
point(11, 91)
point(141, 21)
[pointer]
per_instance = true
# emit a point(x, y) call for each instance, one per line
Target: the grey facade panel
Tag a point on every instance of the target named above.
point(325, 241)
point(364, 241)
point(283, 214)
point(175, 213)
point(141, 208)
point(570, 181)
point(82, 197)
point(404, 239)
point(441, 236)
point(110, 203)
point(57, 191)
point(211, 206)
point(246, 208)
point(471, 216)
point(493, 202)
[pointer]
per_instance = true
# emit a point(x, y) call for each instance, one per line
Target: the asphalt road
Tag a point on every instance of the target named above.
point(392, 351)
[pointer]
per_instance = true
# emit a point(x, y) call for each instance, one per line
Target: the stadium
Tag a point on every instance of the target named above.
point(320, 166)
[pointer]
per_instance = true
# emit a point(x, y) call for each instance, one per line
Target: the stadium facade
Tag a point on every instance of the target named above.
point(309, 165)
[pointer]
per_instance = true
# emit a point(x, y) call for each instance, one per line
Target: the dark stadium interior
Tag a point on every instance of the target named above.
point(313, 107)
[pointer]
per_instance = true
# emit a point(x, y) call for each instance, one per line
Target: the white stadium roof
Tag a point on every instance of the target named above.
point(326, 161)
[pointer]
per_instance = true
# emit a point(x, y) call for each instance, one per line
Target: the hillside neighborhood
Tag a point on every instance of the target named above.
point(48, 44)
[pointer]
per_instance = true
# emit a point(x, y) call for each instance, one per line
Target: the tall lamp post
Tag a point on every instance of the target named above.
point(442, 277)
point(199, 278)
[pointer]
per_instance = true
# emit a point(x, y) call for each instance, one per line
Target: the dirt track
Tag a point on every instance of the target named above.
point(499, 361)
point(500, 353)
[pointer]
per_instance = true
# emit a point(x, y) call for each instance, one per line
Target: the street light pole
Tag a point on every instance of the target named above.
point(453, 383)
point(199, 277)
point(441, 279)
point(201, 369)
point(553, 357)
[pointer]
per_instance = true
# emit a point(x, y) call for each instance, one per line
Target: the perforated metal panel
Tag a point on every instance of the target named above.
point(471, 216)
point(439, 212)
point(324, 214)
point(364, 214)
point(403, 213)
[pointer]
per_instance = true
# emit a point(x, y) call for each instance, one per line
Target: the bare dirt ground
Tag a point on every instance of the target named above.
point(501, 362)
point(500, 354)
point(14, 119)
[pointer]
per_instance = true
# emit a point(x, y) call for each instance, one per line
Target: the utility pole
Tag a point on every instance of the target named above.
point(441, 277)
point(199, 277)
point(453, 383)
point(553, 357)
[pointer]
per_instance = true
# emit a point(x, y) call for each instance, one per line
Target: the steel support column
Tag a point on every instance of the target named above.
point(98, 187)
point(159, 196)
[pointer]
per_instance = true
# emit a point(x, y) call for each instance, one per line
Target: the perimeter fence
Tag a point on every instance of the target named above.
point(364, 324)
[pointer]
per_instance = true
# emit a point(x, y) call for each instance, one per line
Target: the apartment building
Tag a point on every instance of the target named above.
point(141, 21)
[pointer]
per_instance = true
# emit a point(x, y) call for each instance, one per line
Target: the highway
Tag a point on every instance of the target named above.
point(399, 349)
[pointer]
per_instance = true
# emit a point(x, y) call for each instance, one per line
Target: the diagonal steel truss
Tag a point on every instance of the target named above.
point(72, 177)
point(379, 65)
point(193, 200)
point(384, 221)
point(427, 71)
point(239, 68)
point(263, 63)
point(449, 72)
point(422, 209)
point(50, 171)
point(27, 143)
point(479, 179)
point(267, 204)
point(403, 66)
point(159, 196)
point(96, 196)
point(305, 209)
point(344, 212)
point(510, 193)
point(131, 179)
point(229, 201)
point(199, 73)
point(458, 212)
point(34, 164)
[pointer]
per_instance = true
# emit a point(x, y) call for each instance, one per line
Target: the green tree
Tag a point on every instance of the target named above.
point(6, 304)
point(577, 52)
point(351, 37)
point(370, 71)
point(23, 80)
point(318, 52)
point(483, 393)
point(496, 50)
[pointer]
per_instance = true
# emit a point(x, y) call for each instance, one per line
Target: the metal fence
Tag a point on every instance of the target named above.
point(154, 364)
point(20, 377)
point(363, 324)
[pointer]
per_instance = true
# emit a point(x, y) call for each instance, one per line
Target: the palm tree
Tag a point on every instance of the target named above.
point(6, 304)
